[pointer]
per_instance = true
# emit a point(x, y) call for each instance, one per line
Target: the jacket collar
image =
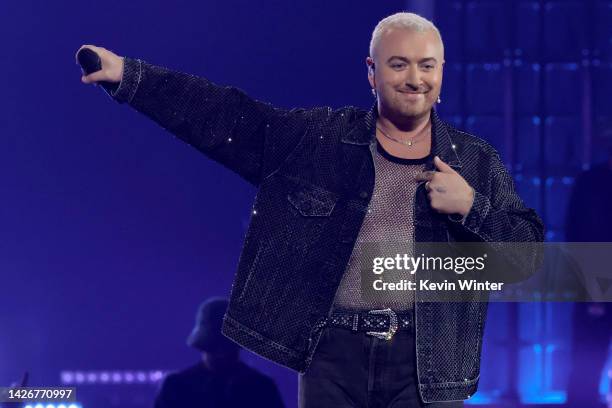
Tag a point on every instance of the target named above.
point(363, 132)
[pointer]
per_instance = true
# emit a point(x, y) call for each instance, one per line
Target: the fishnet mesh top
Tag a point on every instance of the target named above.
point(389, 221)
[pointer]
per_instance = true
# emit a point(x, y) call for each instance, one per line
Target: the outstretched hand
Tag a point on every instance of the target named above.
point(112, 66)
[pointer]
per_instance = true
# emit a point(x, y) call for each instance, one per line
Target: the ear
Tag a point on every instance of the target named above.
point(370, 64)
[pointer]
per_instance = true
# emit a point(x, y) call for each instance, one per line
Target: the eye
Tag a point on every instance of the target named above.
point(428, 66)
point(398, 65)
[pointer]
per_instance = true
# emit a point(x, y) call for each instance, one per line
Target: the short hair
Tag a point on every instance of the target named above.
point(406, 20)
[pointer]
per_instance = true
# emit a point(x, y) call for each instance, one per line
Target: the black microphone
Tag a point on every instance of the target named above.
point(90, 62)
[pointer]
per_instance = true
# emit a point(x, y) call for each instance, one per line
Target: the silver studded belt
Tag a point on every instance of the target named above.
point(381, 323)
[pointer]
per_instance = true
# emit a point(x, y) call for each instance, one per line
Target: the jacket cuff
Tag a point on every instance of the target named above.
point(457, 218)
point(132, 74)
point(474, 219)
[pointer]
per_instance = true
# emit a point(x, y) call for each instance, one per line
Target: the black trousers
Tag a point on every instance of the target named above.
point(353, 369)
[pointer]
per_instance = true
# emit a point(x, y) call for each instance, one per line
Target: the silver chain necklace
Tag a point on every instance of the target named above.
point(403, 142)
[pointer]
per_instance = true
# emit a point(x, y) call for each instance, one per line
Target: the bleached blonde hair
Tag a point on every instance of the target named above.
point(410, 21)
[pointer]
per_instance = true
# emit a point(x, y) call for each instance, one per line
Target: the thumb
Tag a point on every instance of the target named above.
point(443, 167)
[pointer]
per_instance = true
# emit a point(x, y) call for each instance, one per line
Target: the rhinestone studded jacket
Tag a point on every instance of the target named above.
point(314, 172)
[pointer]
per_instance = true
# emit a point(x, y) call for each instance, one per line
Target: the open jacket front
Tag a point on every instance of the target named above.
point(315, 175)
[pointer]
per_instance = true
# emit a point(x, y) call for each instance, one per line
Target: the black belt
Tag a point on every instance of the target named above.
point(382, 323)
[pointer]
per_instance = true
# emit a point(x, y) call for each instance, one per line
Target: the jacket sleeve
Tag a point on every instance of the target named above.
point(249, 137)
point(500, 218)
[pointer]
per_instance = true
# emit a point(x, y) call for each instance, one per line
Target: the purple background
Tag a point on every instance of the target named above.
point(112, 231)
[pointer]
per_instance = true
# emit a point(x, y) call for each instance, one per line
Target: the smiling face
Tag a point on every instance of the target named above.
point(407, 72)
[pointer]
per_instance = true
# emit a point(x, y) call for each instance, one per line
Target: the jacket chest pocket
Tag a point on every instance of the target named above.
point(312, 201)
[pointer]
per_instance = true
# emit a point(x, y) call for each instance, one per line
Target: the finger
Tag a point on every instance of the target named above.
point(94, 77)
point(441, 166)
point(433, 203)
point(425, 175)
point(440, 189)
point(428, 186)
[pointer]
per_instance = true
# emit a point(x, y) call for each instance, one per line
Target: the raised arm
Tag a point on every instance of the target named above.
point(249, 137)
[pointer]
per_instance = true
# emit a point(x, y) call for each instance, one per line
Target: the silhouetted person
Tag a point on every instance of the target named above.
point(220, 379)
point(589, 219)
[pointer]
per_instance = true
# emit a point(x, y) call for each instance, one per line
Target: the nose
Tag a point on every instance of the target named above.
point(413, 79)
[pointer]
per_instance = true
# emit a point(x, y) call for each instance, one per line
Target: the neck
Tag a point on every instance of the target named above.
point(410, 125)
point(220, 363)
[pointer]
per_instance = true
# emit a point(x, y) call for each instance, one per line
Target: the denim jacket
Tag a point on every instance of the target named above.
point(314, 173)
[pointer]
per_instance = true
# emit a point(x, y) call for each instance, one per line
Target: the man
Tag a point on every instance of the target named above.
point(220, 379)
point(328, 180)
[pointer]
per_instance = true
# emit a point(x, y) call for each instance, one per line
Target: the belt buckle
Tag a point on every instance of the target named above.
point(393, 324)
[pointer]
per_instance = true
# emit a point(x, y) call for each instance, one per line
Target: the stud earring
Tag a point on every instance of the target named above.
point(439, 100)
point(374, 92)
